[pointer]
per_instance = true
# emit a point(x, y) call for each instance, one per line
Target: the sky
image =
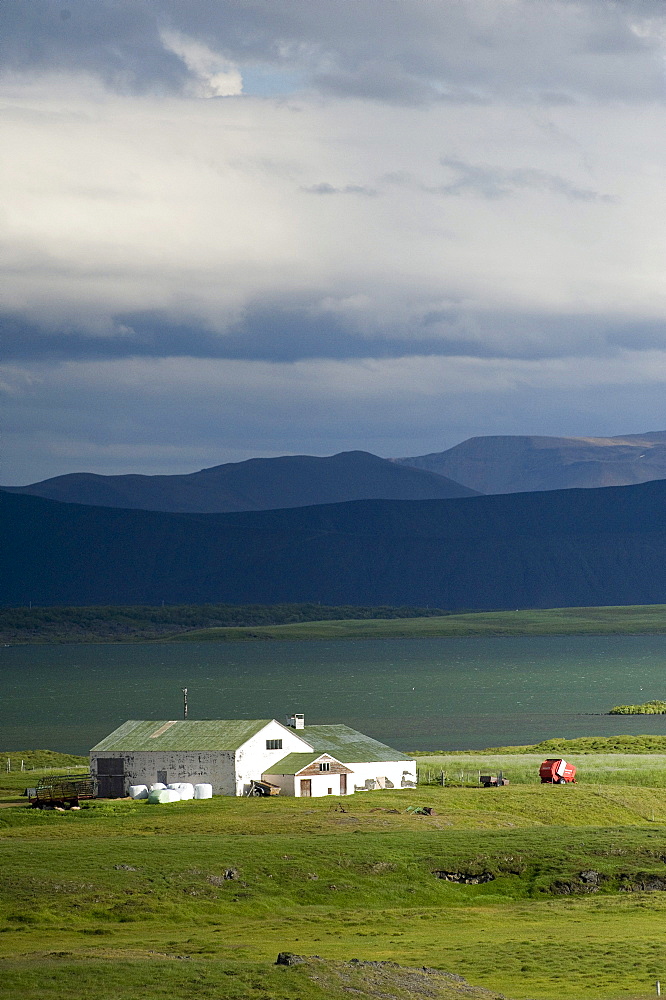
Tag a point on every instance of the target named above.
point(240, 228)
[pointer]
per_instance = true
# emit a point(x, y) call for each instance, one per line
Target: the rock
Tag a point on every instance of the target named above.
point(464, 878)
point(288, 958)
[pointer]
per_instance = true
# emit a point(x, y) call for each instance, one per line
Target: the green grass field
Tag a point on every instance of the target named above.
point(636, 620)
point(195, 899)
point(228, 623)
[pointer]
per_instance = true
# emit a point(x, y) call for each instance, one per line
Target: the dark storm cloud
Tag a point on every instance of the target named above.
point(409, 52)
point(292, 332)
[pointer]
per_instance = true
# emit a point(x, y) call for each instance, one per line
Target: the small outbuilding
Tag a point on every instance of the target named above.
point(231, 754)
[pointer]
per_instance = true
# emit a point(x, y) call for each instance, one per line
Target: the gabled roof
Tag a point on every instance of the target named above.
point(348, 745)
point(199, 734)
point(295, 762)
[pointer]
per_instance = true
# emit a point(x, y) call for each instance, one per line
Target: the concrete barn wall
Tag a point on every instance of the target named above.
point(213, 766)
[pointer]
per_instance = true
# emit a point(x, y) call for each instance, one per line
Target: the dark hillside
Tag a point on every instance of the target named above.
point(258, 484)
point(566, 548)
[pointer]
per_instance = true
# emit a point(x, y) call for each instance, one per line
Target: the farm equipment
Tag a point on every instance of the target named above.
point(258, 788)
point(62, 791)
point(556, 771)
point(493, 780)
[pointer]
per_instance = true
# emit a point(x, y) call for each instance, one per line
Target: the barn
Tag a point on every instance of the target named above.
point(230, 754)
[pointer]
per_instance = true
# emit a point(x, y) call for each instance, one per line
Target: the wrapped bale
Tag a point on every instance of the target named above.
point(138, 791)
point(161, 795)
point(186, 790)
point(157, 786)
point(203, 791)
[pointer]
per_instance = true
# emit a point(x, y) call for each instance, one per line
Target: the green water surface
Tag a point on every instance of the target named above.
point(421, 694)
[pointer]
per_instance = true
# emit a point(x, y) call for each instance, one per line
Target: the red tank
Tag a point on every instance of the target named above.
point(556, 771)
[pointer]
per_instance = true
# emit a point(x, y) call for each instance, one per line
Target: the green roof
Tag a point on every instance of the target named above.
point(292, 763)
point(347, 745)
point(206, 734)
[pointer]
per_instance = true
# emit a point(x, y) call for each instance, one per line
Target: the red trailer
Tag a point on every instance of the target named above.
point(556, 771)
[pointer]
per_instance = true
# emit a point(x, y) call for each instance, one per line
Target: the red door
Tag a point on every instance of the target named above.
point(306, 787)
point(343, 784)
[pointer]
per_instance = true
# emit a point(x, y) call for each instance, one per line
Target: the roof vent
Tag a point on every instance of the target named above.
point(296, 721)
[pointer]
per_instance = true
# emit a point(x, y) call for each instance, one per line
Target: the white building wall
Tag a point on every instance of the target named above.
point(291, 784)
point(253, 759)
point(141, 767)
point(321, 784)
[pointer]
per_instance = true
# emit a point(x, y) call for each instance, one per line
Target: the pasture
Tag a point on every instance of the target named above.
point(530, 890)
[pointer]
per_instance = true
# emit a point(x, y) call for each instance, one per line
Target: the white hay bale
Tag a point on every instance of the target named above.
point(157, 786)
point(203, 791)
point(162, 795)
point(186, 790)
point(138, 791)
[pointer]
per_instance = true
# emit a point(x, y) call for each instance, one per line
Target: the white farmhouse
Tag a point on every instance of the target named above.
point(230, 754)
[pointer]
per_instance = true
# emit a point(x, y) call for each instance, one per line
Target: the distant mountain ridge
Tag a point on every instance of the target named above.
point(527, 550)
point(257, 484)
point(521, 463)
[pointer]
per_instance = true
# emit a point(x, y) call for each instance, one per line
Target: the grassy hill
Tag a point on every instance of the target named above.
point(243, 623)
point(552, 621)
point(524, 550)
point(141, 622)
point(123, 899)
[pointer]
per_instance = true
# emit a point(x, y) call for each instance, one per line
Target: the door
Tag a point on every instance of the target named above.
point(110, 786)
point(110, 777)
point(162, 776)
point(343, 784)
point(306, 788)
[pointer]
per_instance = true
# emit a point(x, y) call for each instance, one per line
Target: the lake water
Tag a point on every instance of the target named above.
point(420, 694)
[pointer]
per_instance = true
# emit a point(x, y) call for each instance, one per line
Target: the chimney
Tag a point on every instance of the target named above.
point(296, 721)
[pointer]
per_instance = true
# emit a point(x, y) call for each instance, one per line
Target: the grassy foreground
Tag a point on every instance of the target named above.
point(534, 891)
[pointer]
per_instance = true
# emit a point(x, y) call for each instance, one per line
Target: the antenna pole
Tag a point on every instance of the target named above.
point(184, 703)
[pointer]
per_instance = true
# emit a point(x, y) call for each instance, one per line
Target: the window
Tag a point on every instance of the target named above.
point(324, 765)
point(330, 791)
point(273, 744)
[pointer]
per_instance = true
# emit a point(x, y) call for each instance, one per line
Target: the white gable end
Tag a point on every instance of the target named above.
point(256, 755)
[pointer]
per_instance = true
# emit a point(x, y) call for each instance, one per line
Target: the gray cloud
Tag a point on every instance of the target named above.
point(408, 52)
point(325, 188)
point(287, 331)
point(495, 182)
point(183, 279)
point(181, 414)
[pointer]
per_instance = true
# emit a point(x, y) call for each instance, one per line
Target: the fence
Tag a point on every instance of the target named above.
point(436, 776)
point(12, 766)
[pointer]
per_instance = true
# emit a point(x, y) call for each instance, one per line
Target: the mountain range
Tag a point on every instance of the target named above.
point(257, 484)
point(513, 464)
point(480, 465)
point(540, 549)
